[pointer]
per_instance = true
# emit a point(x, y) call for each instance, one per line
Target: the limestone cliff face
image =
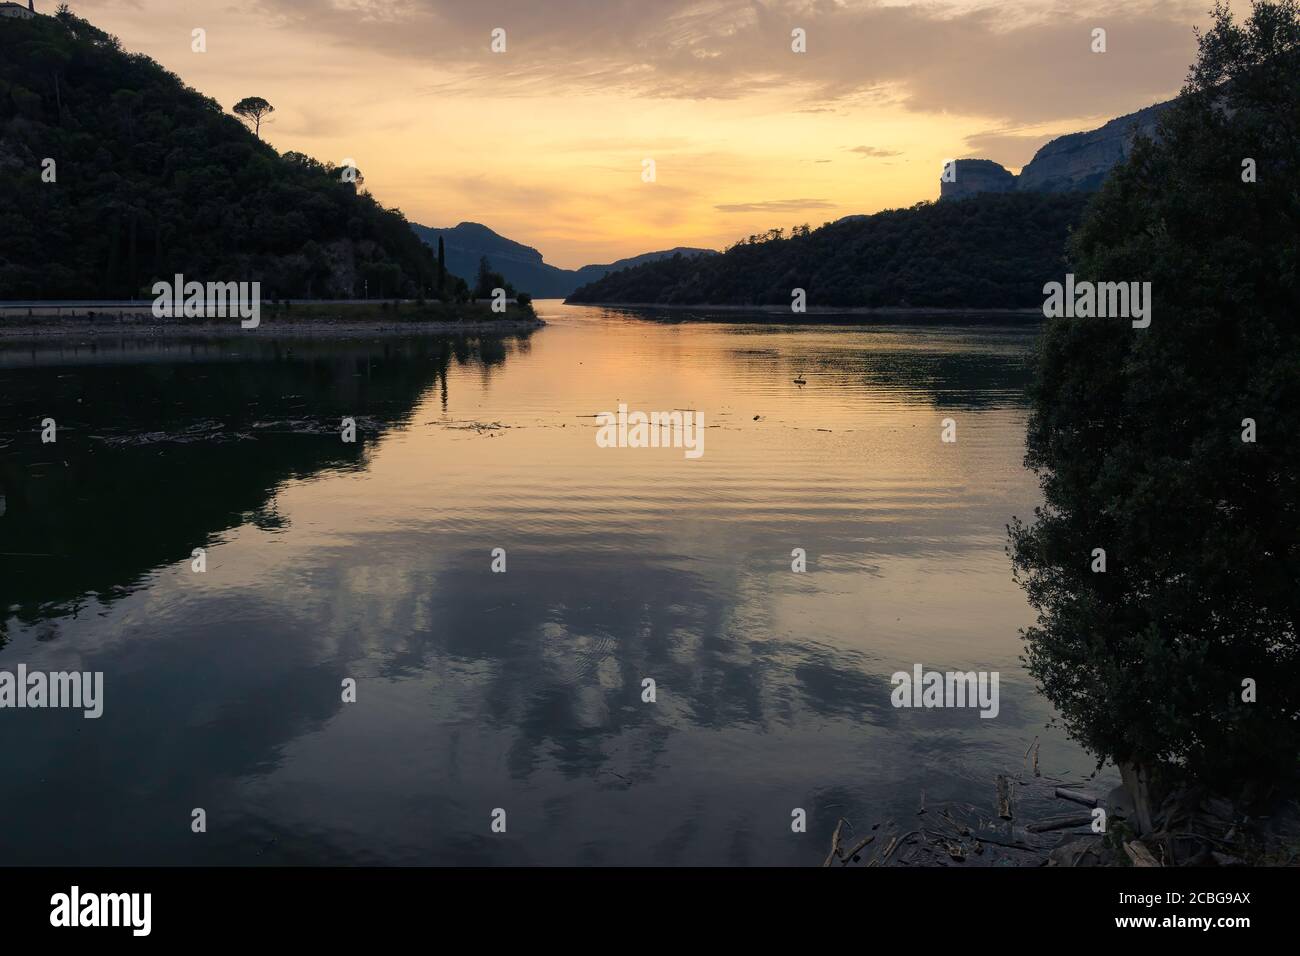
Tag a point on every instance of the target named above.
point(973, 176)
point(1076, 162)
point(1082, 160)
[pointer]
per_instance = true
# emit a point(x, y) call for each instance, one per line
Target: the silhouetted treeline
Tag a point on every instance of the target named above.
point(151, 178)
point(989, 251)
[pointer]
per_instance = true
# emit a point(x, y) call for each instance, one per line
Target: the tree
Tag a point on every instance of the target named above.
point(50, 61)
point(139, 153)
point(442, 266)
point(489, 279)
point(1138, 439)
point(252, 110)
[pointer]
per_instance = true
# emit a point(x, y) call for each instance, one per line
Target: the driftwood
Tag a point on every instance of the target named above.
point(1033, 748)
point(835, 844)
point(894, 844)
point(901, 840)
point(1139, 854)
point(973, 835)
point(1004, 797)
point(1078, 796)
point(889, 848)
point(1010, 846)
point(847, 857)
point(1060, 823)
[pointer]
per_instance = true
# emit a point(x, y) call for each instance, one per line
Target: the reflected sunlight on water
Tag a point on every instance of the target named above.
point(519, 690)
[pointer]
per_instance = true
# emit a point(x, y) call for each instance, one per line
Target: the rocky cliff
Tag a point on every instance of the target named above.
point(972, 176)
point(1075, 162)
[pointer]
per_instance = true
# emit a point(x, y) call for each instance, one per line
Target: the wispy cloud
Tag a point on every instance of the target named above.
point(1009, 147)
point(1020, 62)
point(775, 205)
point(874, 152)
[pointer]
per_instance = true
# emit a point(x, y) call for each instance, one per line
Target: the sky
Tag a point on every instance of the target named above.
point(546, 141)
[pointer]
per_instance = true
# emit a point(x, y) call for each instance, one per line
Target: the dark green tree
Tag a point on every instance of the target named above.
point(252, 110)
point(442, 266)
point(1138, 438)
point(489, 279)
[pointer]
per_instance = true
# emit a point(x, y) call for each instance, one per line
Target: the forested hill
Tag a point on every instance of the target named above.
point(152, 178)
point(989, 251)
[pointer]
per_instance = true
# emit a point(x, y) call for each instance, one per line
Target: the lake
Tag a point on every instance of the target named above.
point(476, 690)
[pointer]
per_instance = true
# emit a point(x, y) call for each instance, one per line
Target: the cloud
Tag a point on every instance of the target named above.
point(776, 205)
point(873, 152)
point(1008, 147)
point(1018, 63)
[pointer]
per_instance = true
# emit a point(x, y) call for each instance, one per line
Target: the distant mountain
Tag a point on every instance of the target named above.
point(992, 251)
point(523, 266)
point(1075, 162)
point(592, 273)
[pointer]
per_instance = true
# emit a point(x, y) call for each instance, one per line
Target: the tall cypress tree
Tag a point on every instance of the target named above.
point(442, 267)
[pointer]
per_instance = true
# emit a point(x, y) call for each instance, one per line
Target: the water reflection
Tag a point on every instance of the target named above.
point(520, 690)
point(162, 447)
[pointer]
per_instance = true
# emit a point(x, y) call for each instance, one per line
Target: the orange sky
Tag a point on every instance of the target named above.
point(544, 143)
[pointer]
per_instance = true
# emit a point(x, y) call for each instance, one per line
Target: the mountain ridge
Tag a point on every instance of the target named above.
point(991, 251)
point(933, 254)
point(523, 266)
point(1073, 162)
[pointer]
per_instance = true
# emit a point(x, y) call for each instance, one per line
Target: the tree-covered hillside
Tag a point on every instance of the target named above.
point(989, 251)
point(151, 178)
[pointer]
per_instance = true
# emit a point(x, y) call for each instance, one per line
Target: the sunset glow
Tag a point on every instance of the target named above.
point(544, 143)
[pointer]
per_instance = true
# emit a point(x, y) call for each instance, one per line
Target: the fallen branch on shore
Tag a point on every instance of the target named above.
point(1060, 823)
point(1077, 796)
point(1004, 797)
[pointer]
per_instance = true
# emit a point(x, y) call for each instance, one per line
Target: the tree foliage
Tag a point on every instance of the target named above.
point(1137, 437)
point(488, 280)
point(154, 179)
point(252, 110)
point(989, 251)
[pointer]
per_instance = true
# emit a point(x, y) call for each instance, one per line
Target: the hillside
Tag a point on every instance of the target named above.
point(153, 178)
point(592, 273)
point(521, 265)
point(991, 251)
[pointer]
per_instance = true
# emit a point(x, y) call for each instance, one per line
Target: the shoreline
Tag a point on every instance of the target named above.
point(884, 311)
point(303, 322)
point(309, 329)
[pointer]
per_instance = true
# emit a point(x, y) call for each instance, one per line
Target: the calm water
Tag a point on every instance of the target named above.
point(519, 690)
